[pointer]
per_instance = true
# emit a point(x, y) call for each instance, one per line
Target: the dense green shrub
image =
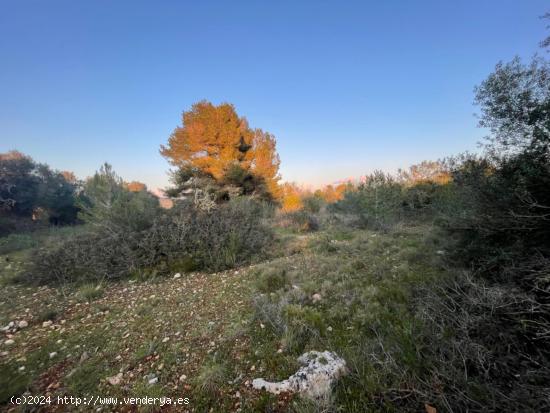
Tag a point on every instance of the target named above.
point(313, 203)
point(376, 203)
point(32, 190)
point(177, 240)
point(107, 204)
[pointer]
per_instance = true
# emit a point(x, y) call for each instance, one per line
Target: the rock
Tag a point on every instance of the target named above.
point(314, 380)
point(53, 354)
point(165, 339)
point(154, 380)
point(9, 342)
point(316, 297)
point(22, 368)
point(22, 324)
point(177, 275)
point(183, 377)
point(115, 380)
point(47, 323)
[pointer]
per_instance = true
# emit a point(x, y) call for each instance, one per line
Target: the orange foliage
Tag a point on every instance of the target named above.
point(332, 194)
point(136, 186)
point(213, 138)
point(69, 176)
point(291, 198)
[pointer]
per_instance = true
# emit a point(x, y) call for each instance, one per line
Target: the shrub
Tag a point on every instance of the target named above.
point(487, 345)
point(376, 204)
point(16, 242)
point(301, 220)
point(178, 239)
point(313, 203)
point(90, 292)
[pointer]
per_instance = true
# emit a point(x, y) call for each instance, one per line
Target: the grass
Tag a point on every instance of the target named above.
point(222, 330)
point(90, 292)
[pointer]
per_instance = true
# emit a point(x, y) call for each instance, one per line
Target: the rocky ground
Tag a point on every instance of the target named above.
point(132, 338)
point(206, 337)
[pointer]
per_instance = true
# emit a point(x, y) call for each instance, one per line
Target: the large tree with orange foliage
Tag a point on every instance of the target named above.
point(214, 139)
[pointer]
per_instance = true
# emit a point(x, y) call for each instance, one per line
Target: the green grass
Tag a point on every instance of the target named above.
point(90, 292)
point(366, 313)
point(260, 320)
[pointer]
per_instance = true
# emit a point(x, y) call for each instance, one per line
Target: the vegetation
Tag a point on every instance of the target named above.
point(432, 284)
point(215, 144)
point(31, 192)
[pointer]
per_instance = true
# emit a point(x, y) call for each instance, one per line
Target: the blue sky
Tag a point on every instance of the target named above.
point(346, 87)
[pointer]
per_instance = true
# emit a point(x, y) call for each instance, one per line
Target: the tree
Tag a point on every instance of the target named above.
point(266, 161)
point(26, 187)
point(425, 172)
point(136, 186)
point(214, 139)
point(18, 183)
point(108, 205)
point(515, 106)
point(292, 198)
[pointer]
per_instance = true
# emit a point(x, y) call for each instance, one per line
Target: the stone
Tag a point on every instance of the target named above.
point(115, 380)
point(22, 324)
point(53, 354)
point(154, 380)
point(47, 323)
point(183, 377)
point(314, 380)
point(316, 297)
point(9, 342)
point(177, 275)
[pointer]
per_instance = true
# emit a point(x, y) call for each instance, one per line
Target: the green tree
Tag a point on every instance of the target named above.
point(108, 205)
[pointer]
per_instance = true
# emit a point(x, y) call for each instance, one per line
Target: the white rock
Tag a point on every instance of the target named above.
point(9, 342)
point(316, 297)
point(53, 354)
point(47, 323)
point(177, 275)
point(115, 380)
point(153, 380)
point(22, 368)
point(165, 339)
point(183, 377)
point(314, 380)
point(22, 324)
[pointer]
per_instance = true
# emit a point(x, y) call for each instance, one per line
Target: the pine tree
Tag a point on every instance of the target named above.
point(213, 141)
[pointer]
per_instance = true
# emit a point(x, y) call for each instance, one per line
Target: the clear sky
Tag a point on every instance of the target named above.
point(346, 87)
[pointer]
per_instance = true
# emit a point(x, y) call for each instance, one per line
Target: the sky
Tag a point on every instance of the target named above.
point(346, 87)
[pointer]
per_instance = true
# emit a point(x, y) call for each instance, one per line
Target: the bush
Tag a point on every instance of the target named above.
point(376, 204)
point(488, 346)
point(302, 221)
point(177, 240)
point(502, 224)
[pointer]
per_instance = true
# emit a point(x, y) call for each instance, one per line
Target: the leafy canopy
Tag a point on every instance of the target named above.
point(214, 139)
